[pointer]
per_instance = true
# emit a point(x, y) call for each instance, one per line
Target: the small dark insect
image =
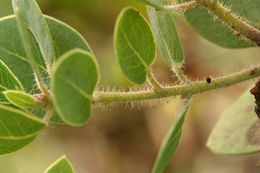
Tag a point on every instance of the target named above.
point(27, 29)
point(208, 79)
point(256, 92)
point(37, 44)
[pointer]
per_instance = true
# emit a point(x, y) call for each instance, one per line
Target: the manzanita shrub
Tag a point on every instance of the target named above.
point(49, 74)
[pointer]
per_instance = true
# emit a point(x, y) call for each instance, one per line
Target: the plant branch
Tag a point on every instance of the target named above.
point(236, 23)
point(190, 89)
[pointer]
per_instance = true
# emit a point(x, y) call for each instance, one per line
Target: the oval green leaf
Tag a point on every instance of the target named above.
point(166, 35)
point(216, 31)
point(33, 18)
point(134, 45)
point(171, 141)
point(237, 131)
point(62, 165)
point(21, 99)
point(74, 80)
point(7, 81)
point(17, 129)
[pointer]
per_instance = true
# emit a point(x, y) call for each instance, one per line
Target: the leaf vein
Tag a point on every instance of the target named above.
point(135, 52)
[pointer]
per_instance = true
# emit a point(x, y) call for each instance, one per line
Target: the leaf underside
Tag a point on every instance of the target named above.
point(219, 33)
point(74, 80)
point(238, 130)
point(134, 45)
point(166, 35)
point(33, 18)
point(171, 141)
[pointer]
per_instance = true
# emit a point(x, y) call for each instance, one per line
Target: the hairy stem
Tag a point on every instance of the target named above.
point(233, 21)
point(181, 76)
point(190, 89)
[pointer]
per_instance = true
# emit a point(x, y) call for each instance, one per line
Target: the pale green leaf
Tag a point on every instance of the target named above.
point(7, 81)
point(171, 141)
point(21, 99)
point(216, 31)
point(238, 130)
point(62, 165)
point(134, 44)
point(26, 43)
point(74, 80)
point(166, 35)
point(33, 18)
point(17, 129)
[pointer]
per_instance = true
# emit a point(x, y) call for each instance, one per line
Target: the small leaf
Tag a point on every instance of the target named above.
point(171, 141)
point(166, 35)
point(7, 81)
point(219, 33)
point(62, 165)
point(17, 129)
point(237, 131)
point(32, 15)
point(74, 80)
point(21, 99)
point(134, 44)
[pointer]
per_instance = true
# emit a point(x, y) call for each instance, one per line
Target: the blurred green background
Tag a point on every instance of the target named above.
point(123, 140)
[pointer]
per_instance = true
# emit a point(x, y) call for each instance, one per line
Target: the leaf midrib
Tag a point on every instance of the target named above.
point(135, 52)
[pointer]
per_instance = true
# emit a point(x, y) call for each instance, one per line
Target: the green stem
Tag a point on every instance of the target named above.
point(233, 21)
point(191, 89)
point(50, 112)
